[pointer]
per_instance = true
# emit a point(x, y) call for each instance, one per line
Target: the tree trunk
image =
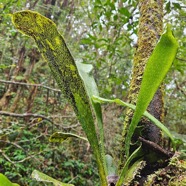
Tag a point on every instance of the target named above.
point(162, 168)
point(149, 32)
point(150, 29)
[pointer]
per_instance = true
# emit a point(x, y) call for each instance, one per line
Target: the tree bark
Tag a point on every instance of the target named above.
point(149, 32)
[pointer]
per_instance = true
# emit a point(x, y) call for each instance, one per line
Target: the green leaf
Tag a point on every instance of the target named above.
point(91, 87)
point(4, 181)
point(3, 66)
point(85, 73)
point(61, 137)
point(177, 5)
point(156, 69)
point(86, 41)
point(124, 11)
point(19, 78)
point(168, 7)
point(124, 173)
point(111, 167)
point(134, 170)
point(63, 67)
point(39, 176)
point(98, 2)
point(133, 107)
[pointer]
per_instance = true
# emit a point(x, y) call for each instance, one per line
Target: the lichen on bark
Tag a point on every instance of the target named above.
point(149, 32)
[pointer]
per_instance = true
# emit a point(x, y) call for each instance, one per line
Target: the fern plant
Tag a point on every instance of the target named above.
point(80, 88)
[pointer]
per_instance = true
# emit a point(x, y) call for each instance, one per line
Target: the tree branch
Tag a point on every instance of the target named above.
point(12, 143)
point(180, 88)
point(156, 148)
point(29, 84)
point(40, 116)
point(25, 115)
point(181, 59)
point(15, 162)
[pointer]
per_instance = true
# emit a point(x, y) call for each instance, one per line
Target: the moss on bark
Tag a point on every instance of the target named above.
point(172, 175)
point(149, 32)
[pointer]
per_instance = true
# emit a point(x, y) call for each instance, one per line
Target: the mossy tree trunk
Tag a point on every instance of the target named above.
point(149, 32)
point(170, 170)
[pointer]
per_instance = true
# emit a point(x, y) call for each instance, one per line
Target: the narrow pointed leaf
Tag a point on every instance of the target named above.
point(41, 177)
point(156, 69)
point(54, 49)
point(134, 170)
point(62, 136)
point(133, 107)
point(91, 87)
point(126, 166)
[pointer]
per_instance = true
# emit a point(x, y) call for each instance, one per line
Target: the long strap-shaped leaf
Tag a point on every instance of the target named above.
point(92, 90)
point(53, 48)
point(156, 69)
point(133, 107)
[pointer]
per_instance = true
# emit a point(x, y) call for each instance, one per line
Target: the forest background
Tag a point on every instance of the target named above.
point(32, 108)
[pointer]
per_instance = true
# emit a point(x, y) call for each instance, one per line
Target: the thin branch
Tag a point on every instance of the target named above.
point(39, 116)
point(29, 84)
point(156, 148)
point(71, 126)
point(21, 161)
point(14, 144)
point(181, 59)
point(25, 115)
point(62, 116)
point(180, 88)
